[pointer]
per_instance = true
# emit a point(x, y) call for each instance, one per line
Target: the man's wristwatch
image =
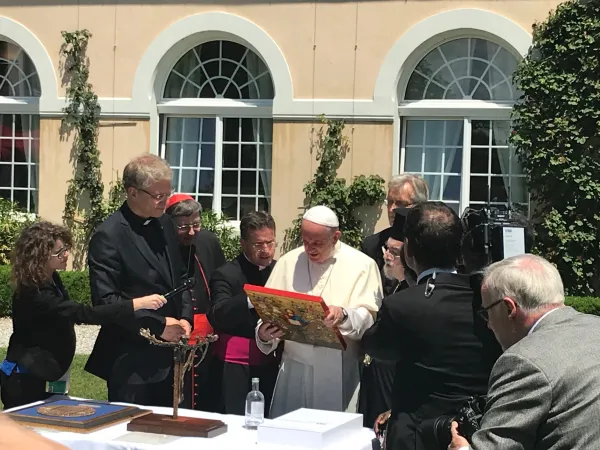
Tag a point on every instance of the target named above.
point(345, 316)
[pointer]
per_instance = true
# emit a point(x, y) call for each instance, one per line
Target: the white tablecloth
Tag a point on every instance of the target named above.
point(236, 438)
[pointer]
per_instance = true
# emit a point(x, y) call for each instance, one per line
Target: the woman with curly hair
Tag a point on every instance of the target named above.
point(42, 344)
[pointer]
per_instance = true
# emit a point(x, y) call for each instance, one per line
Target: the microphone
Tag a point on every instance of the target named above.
point(187, 284)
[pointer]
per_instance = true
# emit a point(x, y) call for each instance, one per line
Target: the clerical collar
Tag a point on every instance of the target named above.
point(134, 219)
point(255, 265)
point(433, 271)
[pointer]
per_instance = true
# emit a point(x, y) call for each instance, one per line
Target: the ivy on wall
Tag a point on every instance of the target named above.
point(557, 138)
point(84, 202)
point(327, 189)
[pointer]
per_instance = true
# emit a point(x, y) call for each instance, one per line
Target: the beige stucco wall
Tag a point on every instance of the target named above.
point(294, 163)
point(119, 141)
point(334, 50)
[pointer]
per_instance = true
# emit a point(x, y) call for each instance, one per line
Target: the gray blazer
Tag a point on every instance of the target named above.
point(545, 390)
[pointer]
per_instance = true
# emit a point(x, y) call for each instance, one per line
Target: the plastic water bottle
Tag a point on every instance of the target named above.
point(255, 406)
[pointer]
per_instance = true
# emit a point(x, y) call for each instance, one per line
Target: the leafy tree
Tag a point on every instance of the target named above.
point(556, 136)
point(326, 189)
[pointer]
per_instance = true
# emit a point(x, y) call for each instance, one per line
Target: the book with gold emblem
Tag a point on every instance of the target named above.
point(79, 416)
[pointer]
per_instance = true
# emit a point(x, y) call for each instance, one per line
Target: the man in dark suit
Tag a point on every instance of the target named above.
point(201, 253)
point(237, 359)
point(404, 191)
point(133, 254)
point(377, 376)
point(430, 330)
point(544, 391)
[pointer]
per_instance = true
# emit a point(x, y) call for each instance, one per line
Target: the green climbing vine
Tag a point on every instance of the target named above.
point(557, 139)
point(327, 189)
point(84, 203)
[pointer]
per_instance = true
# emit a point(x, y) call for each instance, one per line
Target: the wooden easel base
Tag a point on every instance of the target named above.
point(182, 426)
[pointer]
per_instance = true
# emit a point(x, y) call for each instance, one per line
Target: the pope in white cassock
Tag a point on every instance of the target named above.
point(350, 284)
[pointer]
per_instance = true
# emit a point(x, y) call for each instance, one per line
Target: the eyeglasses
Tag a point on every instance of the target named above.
point(267, 244)
point(157, 197)
point(187, 227)
point(484, 312)
point(60, 253)
point(397, 203)
point(386, 249)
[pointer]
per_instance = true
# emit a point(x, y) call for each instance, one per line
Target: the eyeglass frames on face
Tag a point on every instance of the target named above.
point(397, 203)
point(484, 312)
point(60, 253)
point(385, 249)
point(267, 244)
point(190, 226)
point(157, 197)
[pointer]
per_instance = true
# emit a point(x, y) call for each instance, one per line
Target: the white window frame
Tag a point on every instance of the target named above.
point(29, 106)
point(215, 108)
point(240, 113)
point(439, 109)
point(476, 114)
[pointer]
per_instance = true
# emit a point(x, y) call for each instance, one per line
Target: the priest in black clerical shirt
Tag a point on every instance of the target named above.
point(133, 254)
point(201, 253)
point(237, 359)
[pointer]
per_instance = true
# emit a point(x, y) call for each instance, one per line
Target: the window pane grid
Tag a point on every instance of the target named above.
point(466, 68)
point(18, 76)
point(433, 149)
point(18, 159)
point(220, 69)
point(503, 176)
point(244, 167)
point(248, 174)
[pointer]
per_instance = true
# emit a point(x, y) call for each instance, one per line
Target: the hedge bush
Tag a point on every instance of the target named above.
point(78, 285)
point(76, 282)
point(12, 220)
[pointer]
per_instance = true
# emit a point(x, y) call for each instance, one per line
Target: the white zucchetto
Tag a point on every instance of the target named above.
point(322, 215)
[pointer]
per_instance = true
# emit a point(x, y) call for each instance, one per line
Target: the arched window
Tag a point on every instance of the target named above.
point(219, 146)
point(19, 133)
point(458, 139)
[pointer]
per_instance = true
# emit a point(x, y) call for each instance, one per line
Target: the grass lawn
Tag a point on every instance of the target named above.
point(83, 384)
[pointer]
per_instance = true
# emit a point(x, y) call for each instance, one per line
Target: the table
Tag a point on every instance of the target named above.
point(237, 437)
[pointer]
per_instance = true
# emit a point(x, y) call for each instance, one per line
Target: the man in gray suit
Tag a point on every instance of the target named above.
point(544, 391)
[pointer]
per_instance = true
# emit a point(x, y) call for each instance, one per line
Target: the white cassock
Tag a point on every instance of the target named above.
point(320, 377)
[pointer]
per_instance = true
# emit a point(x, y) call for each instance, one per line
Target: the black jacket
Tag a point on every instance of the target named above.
point(123, 267)
point(443, 349)
point(229, 312)
point(207, 249)
point(43, 338)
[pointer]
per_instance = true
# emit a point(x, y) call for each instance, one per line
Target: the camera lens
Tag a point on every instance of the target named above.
point(442, 427)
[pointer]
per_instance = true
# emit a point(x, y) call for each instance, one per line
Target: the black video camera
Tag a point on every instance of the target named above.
point(490, 233)
point(436, 433)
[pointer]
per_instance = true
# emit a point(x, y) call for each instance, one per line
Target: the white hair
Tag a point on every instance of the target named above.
point(531, 281)
point(418, 184)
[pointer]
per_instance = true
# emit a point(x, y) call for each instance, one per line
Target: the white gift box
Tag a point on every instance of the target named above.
point(309, 428)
